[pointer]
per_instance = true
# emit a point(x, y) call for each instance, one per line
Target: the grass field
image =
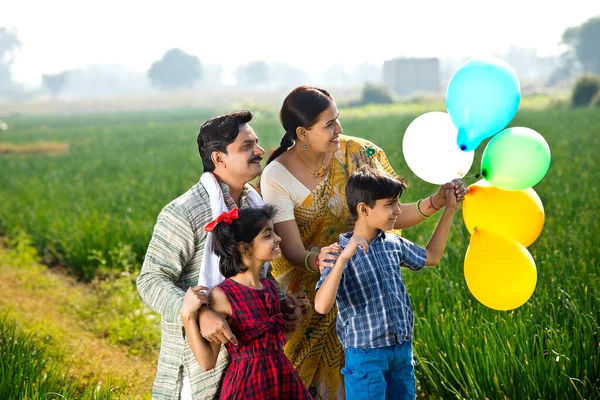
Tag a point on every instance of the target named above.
point(94, 205)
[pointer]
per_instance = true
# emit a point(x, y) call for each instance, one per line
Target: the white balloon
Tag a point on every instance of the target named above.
point(430, 149)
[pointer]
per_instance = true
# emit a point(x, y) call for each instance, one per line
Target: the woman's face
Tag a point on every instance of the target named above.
point(323, 136)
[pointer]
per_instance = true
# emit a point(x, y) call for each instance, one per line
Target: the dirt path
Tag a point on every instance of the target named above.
point(38, 300)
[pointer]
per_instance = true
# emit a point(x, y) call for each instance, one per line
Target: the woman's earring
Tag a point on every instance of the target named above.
point(304, 146)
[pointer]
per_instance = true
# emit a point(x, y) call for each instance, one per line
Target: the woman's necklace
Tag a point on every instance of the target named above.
point(318, 173)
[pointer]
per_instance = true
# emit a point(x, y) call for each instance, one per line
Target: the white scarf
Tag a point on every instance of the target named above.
point(210, 275)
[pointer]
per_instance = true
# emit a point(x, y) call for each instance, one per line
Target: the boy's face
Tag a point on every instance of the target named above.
point(384, 214)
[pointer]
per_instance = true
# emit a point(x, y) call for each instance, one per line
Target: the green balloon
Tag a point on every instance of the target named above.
point(515, 159)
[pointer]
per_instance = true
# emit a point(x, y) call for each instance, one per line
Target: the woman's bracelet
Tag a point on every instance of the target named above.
point(431, 203)
point(419, 209)
point(310, 253)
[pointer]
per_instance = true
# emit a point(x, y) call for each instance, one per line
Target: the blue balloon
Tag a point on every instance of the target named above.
point(482, 98)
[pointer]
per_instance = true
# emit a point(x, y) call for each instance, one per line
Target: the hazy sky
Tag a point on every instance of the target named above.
point(313, 35)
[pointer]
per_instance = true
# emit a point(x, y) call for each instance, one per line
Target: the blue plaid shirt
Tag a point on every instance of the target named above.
point(373, 306)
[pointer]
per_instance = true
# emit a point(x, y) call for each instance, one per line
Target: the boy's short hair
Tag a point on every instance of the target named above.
point(367, 185)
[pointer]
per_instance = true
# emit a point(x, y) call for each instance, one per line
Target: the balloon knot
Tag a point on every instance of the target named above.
point(463, 147)
point(478, 175)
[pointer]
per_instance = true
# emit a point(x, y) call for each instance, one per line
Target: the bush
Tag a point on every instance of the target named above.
point(373, 94)
point(596, 100)
point(584, 91)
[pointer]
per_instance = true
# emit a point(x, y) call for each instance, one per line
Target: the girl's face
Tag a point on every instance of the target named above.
point(265, 246)
point(323, 137)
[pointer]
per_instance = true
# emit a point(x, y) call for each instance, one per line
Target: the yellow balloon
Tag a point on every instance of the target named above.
point(499, 272)
point(518, 214)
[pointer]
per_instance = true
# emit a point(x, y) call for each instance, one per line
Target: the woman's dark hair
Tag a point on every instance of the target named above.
point(218, 133)
point(249, 223)
point(301, 108)
point(367, 185)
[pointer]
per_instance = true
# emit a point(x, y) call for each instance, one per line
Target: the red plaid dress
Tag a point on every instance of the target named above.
point(259, 369)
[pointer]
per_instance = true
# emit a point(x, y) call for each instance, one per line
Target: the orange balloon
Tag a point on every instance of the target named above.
point(499, 272)
point(518, 214)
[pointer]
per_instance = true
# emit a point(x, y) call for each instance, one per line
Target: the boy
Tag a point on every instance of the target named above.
point(375, 316)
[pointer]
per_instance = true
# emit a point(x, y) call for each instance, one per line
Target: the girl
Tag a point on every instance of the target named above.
point(244, 240)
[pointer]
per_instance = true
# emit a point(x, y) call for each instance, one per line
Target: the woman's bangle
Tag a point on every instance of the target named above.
point(419, 209)
point(431, 203)
point(310, 253)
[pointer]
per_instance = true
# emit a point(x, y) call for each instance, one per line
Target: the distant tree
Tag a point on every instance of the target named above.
point(374, 94)
point(584, 91)
point(55, 83)
point(176, 69)
point(596, 100)
point(212, 76)
point(336, 76)
point(9, 44)
point(285, 76)
point(567, 67)
point(106, 80)
point(252, 74)
point(584, 42)
point(367, 73)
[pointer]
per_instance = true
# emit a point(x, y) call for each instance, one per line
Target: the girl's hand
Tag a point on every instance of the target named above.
point(328, 256)
point(353, 245)
point(300, 300)
point(194, 298)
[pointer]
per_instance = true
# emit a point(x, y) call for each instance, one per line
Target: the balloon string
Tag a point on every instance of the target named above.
point(476, 176)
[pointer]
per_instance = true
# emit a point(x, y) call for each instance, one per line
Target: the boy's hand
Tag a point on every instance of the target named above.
point(459, 188)
point(194, 298)
point(452, 200)
point(353, 245)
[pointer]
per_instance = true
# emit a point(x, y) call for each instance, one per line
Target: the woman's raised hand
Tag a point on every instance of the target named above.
point(460, 190)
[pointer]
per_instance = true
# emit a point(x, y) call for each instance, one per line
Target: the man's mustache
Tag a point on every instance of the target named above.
point(256, 159)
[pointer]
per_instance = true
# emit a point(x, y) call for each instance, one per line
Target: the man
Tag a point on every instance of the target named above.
point(177, 256)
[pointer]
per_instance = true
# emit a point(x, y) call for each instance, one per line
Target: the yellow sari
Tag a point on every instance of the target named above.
point(315, 350)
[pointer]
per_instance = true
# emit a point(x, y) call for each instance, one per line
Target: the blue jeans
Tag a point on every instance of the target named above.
point(380, 373)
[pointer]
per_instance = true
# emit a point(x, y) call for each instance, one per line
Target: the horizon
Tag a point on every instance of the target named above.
point(334, 33)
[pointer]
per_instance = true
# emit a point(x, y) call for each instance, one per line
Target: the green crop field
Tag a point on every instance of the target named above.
point(88, 189)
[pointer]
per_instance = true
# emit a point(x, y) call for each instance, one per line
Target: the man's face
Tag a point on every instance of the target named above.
point(244, 155)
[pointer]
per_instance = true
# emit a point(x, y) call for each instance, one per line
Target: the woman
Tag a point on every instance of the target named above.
point(305, 178)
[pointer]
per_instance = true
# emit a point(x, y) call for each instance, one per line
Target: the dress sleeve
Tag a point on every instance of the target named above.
point(274, 192)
